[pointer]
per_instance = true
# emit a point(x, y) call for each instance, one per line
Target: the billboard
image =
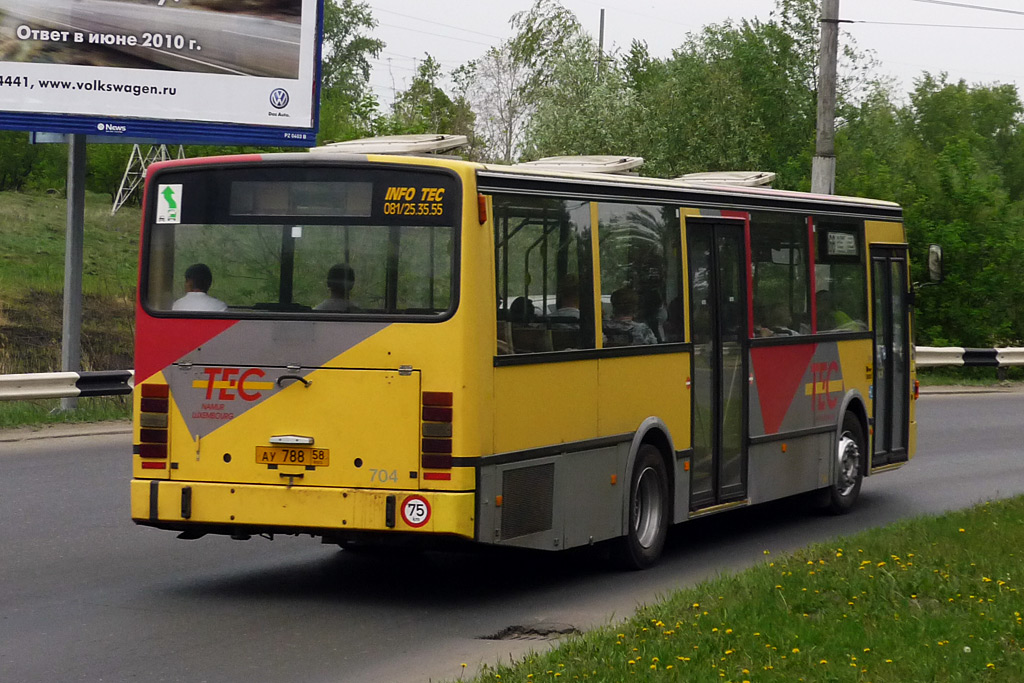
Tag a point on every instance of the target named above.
point(227, 71)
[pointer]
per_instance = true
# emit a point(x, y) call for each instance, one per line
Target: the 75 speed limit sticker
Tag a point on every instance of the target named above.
point(415, 511)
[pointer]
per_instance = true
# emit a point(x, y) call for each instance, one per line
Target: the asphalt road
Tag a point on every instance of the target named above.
point(87, 596)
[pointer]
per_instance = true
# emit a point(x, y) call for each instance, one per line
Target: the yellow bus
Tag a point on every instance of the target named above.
point(374, 348)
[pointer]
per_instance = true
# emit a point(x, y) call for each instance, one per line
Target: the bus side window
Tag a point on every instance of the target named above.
point(543, 275)
point(841, 299)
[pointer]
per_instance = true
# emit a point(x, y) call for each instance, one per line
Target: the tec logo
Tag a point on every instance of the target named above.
point(229, 384)
point(279, 98)
point(823, 385)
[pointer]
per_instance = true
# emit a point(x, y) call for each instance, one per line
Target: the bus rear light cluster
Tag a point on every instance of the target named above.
point(152, 446)
point(436, 434)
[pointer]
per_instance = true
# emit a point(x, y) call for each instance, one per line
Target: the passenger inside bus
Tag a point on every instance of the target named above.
point(198, 279)
point(830, 317)
point(340, 280)
point(622, 329)
point(568, 298)
point(773, 321)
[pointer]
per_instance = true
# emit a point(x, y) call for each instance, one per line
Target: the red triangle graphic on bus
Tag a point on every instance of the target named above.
point(163, 341)
point(779, 372)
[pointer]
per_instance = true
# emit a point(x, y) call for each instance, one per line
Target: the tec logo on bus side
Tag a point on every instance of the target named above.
point(228, 384)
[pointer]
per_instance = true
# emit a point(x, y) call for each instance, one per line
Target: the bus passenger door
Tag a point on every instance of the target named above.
point(718, 323)
point(892, 357)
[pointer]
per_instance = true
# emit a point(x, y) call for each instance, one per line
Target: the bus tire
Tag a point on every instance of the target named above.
point(851, 456)
point(647, 525)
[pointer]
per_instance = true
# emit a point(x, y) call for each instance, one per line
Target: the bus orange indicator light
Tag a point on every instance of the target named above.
point(917, 389)
point(437, 398)
point(155, 391)
point(437, 476)
point(498, 500)
point(481, 207)
point(615, 479)
point(785, 448)
point(686, 466)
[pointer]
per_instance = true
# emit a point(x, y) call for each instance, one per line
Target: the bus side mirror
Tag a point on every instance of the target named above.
point(935, 263)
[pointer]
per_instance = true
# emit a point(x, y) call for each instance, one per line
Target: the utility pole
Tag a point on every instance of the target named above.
point(600, 46)
point(71, 339)
point(823, 168)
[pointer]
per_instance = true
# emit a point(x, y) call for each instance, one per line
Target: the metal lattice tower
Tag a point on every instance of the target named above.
point(135, 172)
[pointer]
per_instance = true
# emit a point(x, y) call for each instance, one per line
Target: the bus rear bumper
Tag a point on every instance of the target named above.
point(248, 508)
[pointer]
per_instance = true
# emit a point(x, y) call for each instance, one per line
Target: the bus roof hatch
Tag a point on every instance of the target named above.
point(428, 143)
point(585, 164)
point(741, 178)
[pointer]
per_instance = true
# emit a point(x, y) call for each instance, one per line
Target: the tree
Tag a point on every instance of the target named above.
point(424, 107)
point(347, 104)
point(505, 83)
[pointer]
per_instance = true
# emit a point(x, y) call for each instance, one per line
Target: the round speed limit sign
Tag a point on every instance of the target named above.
point(415, 511)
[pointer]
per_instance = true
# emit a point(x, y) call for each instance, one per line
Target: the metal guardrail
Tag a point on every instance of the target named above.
point(66, 384)
point(958, 356)
point(119, 382)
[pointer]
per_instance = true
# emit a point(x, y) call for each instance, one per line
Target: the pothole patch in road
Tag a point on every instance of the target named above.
point(536, 632)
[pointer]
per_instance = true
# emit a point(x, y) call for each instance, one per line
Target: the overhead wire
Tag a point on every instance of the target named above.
point(964, 5)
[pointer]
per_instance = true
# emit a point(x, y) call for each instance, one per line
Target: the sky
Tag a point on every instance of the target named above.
point(456, 31)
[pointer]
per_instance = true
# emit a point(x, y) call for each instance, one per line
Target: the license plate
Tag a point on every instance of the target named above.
point(314, 457)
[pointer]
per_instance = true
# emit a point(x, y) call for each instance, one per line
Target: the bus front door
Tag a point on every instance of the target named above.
point(718, 324)
point(892, 354)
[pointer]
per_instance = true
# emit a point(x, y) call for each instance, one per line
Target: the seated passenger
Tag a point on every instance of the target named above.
point(198, 279)
point(831, 318)
point(340, 280)
point(773, 321)
point(622, 330)
point(568, 298)
point(521, 311)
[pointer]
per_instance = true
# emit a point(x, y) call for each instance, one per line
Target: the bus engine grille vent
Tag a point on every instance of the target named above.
point(527, 500)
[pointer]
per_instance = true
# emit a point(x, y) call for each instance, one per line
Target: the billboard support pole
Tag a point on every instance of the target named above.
point(71, 337)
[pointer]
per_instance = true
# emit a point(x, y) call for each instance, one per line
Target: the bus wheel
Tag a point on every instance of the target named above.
point(648, 511)
point(851, 455)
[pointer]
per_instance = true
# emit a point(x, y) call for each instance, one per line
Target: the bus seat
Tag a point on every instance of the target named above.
point(526, 339)
point(565, 338)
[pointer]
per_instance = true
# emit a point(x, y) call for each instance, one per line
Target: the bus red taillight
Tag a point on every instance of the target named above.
point(436, 433)
point(153, 414)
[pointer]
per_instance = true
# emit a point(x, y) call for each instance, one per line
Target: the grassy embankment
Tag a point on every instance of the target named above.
point(932, 599)
point(31, 297)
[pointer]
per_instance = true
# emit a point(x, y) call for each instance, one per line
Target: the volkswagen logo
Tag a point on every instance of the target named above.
point(279, 98)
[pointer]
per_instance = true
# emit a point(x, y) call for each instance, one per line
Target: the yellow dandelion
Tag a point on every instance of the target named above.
point(796, 650)
point(824, 661)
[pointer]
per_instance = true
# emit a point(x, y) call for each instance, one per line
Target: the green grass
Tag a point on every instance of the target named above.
point(969, 377)
point(932, 599)
point(47, 412)
point(32, 282)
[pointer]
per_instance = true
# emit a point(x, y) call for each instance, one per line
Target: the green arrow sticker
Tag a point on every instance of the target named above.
point(168, 209)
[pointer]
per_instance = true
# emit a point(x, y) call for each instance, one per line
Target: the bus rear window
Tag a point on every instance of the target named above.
point(307, 246)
